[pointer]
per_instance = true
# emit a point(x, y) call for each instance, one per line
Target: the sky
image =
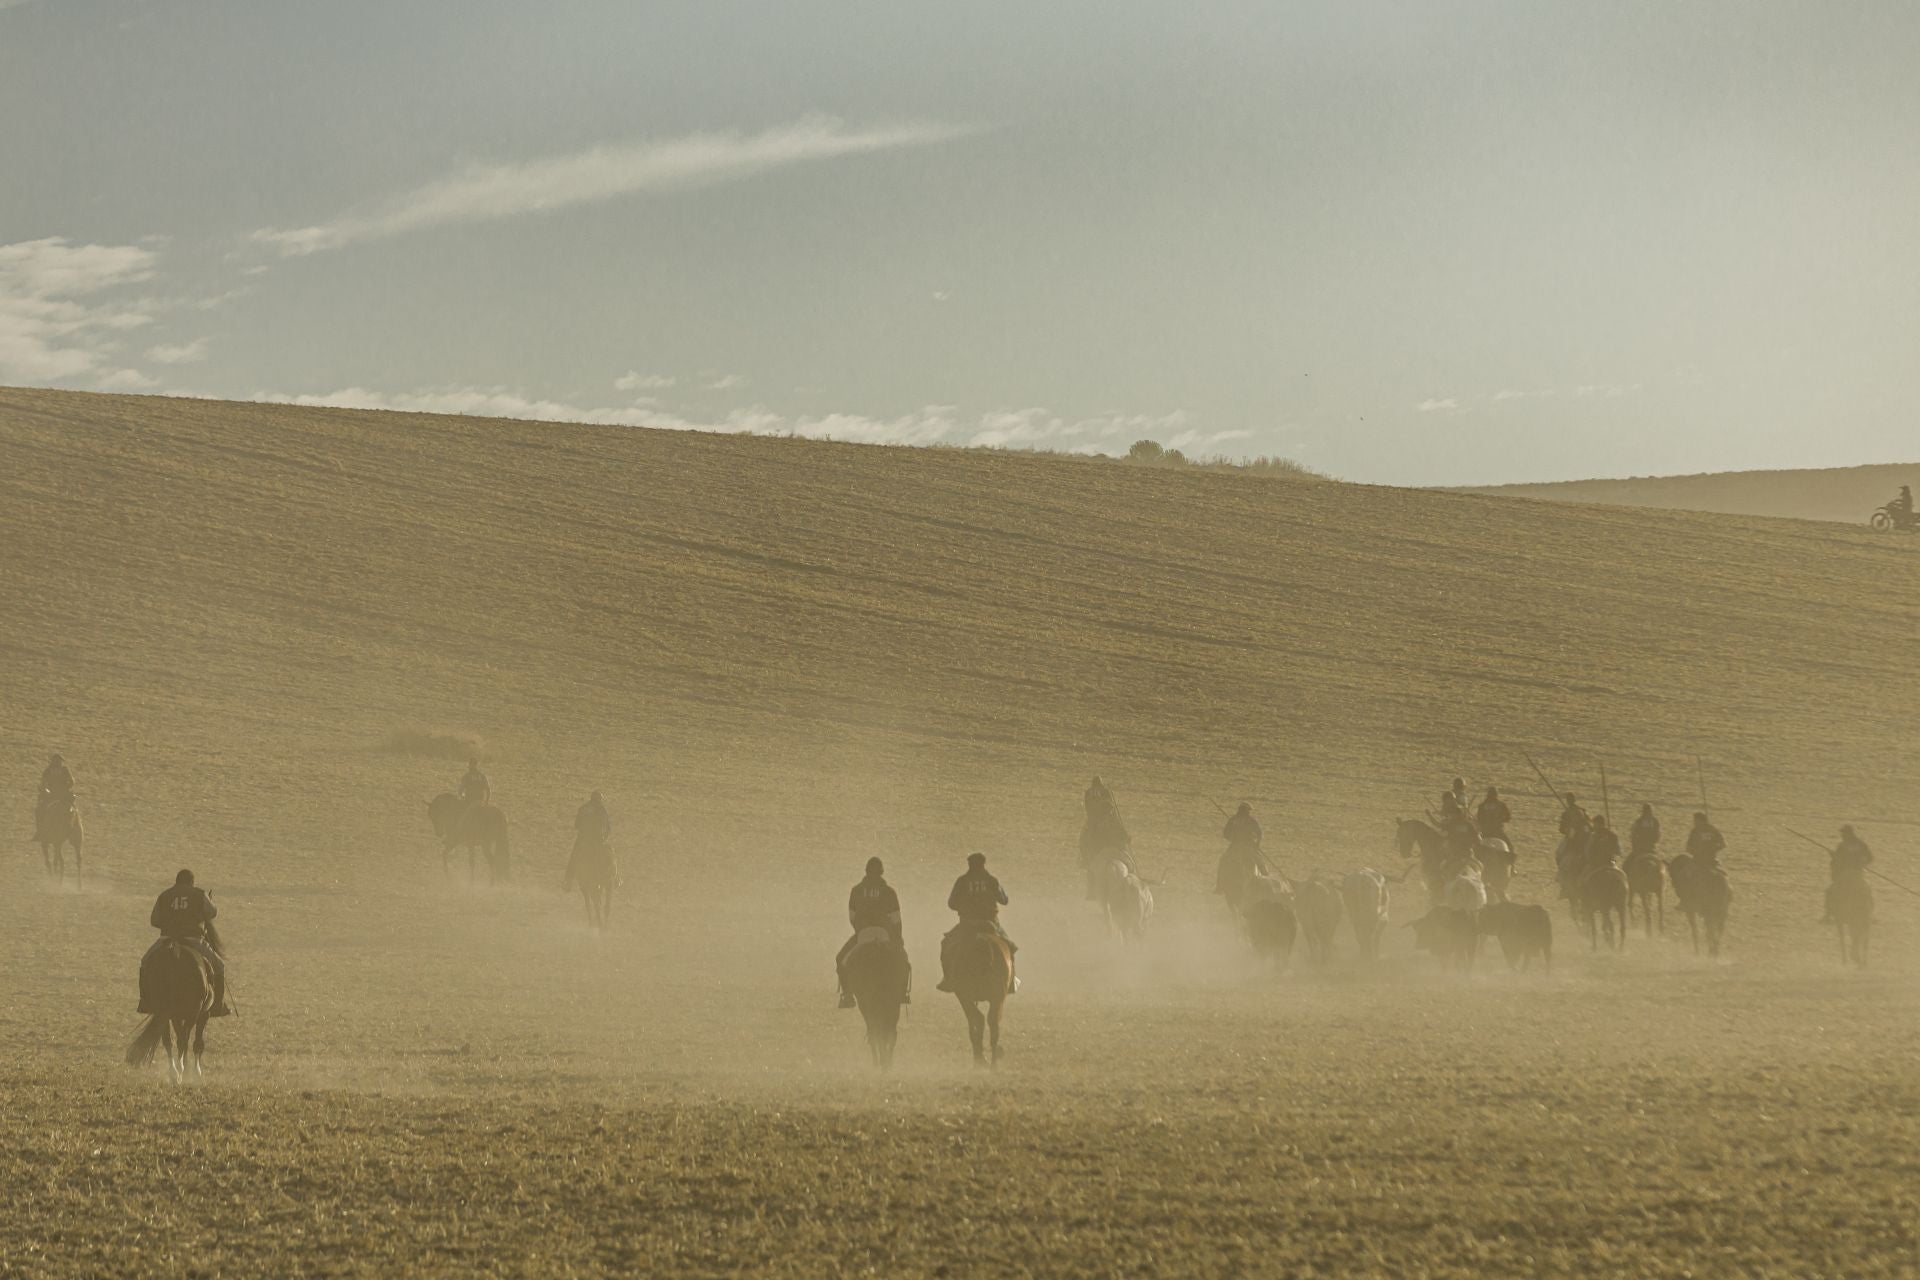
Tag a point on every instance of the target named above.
point(1415, 243)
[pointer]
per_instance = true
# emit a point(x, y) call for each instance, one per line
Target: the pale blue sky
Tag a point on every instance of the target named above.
point(1421, 242)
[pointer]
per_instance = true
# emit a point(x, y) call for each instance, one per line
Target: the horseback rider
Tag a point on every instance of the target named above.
point(591, 822)
point(1705, 842)
point(977, 898)
point(1603, 846)
point(1243, 856)
point(1103, 836)
point(1454, 799)
point(1847, 865)
point(473, 785)
point(184, 914)
point(1492, 816)
point(56, 792)
point(592, 829)
point(872, 905)
point(1645, 833)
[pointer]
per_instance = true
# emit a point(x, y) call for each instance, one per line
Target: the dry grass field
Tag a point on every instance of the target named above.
point(264, 635)
point(1843, 495)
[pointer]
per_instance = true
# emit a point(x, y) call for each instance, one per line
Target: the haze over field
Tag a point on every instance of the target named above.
point(264, 635)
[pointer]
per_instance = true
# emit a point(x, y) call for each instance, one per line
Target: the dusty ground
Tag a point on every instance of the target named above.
point(262, 634)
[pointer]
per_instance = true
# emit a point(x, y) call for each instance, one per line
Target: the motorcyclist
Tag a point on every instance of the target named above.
point(872, 905)
point(184, 914)
point(1902, 504)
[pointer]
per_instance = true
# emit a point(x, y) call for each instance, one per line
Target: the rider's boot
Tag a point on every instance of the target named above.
point(220, 1007)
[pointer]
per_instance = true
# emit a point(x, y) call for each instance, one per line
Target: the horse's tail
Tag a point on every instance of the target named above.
point(147, 1043)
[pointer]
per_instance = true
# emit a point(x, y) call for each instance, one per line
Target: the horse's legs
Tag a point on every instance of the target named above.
point(993, 1024)
point(976, 1029)
point(1693, 931)
point(1662, 901)
point(200, 1047)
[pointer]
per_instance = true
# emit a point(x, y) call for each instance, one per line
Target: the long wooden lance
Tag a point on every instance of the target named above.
point(1869, 870)
point(1545, 781)
point(1606, 806)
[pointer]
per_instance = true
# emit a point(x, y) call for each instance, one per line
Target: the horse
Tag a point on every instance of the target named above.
point(1317, 907)
point(1852, 904)
point(478, 828)
point(876, 976)
point(1647, 885)
point(180, 991)
point(1412, 836)
point(1704, 896)
point(980, 971)
point(1496, 859)
point(56, 828)
point(1569, 870)
point(1126, 898)
point(592, 869)
point(1603, 891)
point(1271, 928)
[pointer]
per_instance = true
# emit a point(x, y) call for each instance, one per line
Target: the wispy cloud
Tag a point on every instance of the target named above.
point(722, 381)
point(1433, 405)
point(62, 310)
point(932, 424)
point(635, 381)
point(178, 353)
point(485, 193)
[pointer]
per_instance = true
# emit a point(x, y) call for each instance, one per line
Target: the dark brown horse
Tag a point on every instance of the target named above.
point(477, 828)
point(592, 869)
point(179, 984)
point(1705, 897)
point(980, 972)
point(1647, 885)
point(56, 828)
point(877, 974)
point(1603, 892)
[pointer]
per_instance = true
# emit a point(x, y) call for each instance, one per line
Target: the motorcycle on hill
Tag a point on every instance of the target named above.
point(1893, 519)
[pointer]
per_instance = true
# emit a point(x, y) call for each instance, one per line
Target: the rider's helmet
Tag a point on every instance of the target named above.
point(1699, 819)
point(595, 797)
point(874, 869)
point(1646, 808)
point(1493, 793)
point(975, 861)
point(1459, 784)
point(1600, 822)
point(1246, 810)
point(57, 759)
point(184, 880)
point(1846, 832)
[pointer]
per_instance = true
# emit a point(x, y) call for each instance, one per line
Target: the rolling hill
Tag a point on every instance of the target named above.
point(264, 636)
point(1842, 495)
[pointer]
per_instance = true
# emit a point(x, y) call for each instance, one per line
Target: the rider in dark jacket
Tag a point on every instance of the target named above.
point(1645, 833)
point(872, 905)
point(1846, 863)
point(1493, 816)
point(1704, 842)
point(184, 913)
point(977, 898)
